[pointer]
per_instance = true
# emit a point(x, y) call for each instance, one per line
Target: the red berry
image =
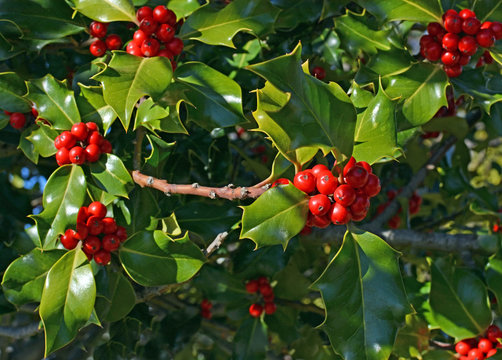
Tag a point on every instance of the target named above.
point(358, 217)
point(487, 57)
point(139, 37)
point(165, 33)
point(485, 345)
point(356, 177)
point(349, 165)
point(83, 215)
point(121, 233)
point(144, 12)
point(496, 28)
point(450, 42)
point(318, 169)
point(339, 214)
point(493, 333)
point(434, 28)
point(102, 257)
point(269, 297)
point(305, 181)
point(326, 183)
point(453, 24)
point(426, 39)
point(491, 353)
point(82, 230)
point(98, 48)
point(485, 38)
point(255, 310)
point(440, 35)
point(281, 181)
point(34, 112)
point(306, 230)
point(109, 225)
point(391, 194)
point(150, 47)
point(464, 60)
point(475, 354)
point(63, 157)
point(105, 147)
point(91, 245)
point(270, 308)
point(322, 221)
point(148, 25)
point(91, 126)
point(466, 13)
point(79, 130)
point(432, 51)
point(206, 304)
point(98, 29)
point(175, 46)
point(480, 62)
point(77, 155)
point(111, 242)
point(372, 187)
point(92, 153)
point(266, 289)
point(113, 42)
point(394, 222)
point(344, 195)
point(319, 72)
point(360, 205)
point(449, 12)
point(133, 49)
point(67, 140)
point(97, 209)
point(69, 239)
point(319, 204)
point(57, 143)
point(206, 314)
point(95, 225)
point(94, 137)
point(163, 15)
point(165, 53)
point(450, 58)
point(471, 25)
point(365, 165)
point(252, 286)
point(462, 348)
point(262, 280)
point(453, 71)
point(467, 45)
point(17, 120)
point(486, 25)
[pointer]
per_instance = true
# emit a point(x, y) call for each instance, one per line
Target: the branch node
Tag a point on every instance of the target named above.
point(244, 192)
point(230, 186)
point(212, 195)
point(266, 186)
point(149, 181)
point(195, 185)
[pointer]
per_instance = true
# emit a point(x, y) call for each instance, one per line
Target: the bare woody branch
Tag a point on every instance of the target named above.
point(227, 192)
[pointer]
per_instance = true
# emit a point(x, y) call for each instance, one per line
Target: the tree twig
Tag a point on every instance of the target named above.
point(19, 332)
point(216, 243)
point(227, 192)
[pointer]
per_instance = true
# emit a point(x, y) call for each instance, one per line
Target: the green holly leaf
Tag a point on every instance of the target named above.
point(54, 102)
point(93, 107)
point(183, 8)
point(355, 35)
point(488, 10)
point(42, 19)
point(413, 338)
point(42, 139)
point(493, 275)
point(296, 12)
point(138, 77)
point(27, 146)
point(417, 10)
point(275, 217)
point(250, 340)
point(364, 297)
point(24, 279)
point(297, 111)
point(161, 151)
point(213, 99)
point(155, 117)
point(12, 90)
point(375, 133)
point(219, 27)
point(107, 10)
point(420, 87)
point(459, 301)
point(64, 194)
point(67, 299)
point(120, 297)
point(111, 175)
point(153, 259)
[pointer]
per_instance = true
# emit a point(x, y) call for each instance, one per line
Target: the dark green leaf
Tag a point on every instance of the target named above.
point(250, 340)
point(42, 139)
point(364, 297)
point(488, 10)
point(12, 90)
point(67, 299)
point(275, 217)
point(295, 12)
point(493, 274)
point(24, 279)
point(414, 10)
point(111, 175)
point(153, 259)
point(93, 107)
point(458, 300)
point(107, 10)
point(120, 298)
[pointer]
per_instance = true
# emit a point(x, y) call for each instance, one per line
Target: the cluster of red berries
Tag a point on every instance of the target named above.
point(261, 286)
point(100, 234)
point(336, 199)
point(155, 36)
point(414, 204)
point(91, 144)
point(18, 120)
point(479, 349)
point(205, 309)
point(99, 46)
point(458, 39)
point(318, 72)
